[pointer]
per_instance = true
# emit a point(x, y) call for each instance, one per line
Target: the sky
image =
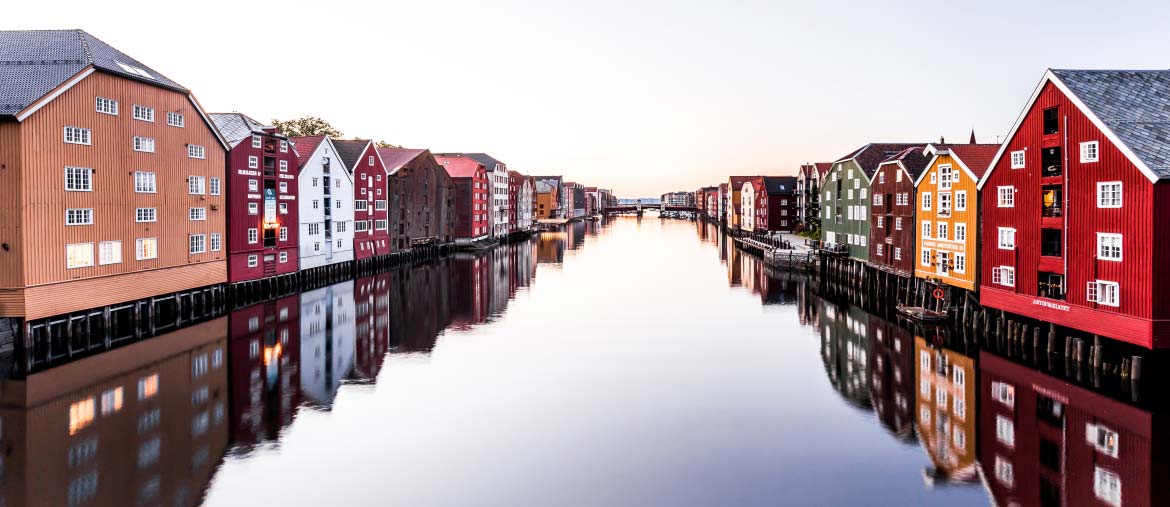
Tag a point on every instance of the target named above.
point(641, 97)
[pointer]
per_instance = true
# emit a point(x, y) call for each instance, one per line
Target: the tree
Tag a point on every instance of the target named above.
point(306, 126)
point(384, 144)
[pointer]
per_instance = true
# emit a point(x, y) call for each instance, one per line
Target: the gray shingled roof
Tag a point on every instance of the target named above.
point(1134, 104)
point(488, 161)
point(236, 127)
point(34, 62)
point(775, 185)
point(350, 150)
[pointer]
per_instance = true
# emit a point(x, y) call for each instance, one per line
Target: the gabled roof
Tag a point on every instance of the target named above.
point(488, 161)
point(544, 187)
point(776, 185)
point(395, 158)
point(350, 150)
point(736, 182)
point(912, 160)
point(868, 157)
point(973, 159)
point(235, 127)
point(459, 166)
point(305, 146)
point(35, 62)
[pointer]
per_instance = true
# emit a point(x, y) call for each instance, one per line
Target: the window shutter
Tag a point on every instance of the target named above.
point(996, 275)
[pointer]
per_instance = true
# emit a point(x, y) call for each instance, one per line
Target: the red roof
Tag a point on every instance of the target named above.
point(395, 158)
point(305, 146)
point(823, 168)
point(977, 157)
point(459, 166)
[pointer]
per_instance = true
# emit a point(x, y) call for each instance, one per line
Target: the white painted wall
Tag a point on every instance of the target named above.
point(327, 340)
point(315, 249)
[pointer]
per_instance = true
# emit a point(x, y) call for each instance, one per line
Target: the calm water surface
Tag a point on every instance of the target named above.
point(639, 362)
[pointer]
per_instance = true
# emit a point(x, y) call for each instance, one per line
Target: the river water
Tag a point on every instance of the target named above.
point(635, 362)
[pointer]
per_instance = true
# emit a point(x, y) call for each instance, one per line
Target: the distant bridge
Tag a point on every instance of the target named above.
point(640, 207)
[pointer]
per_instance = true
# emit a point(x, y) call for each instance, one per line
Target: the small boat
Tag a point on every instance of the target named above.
point(921, 314)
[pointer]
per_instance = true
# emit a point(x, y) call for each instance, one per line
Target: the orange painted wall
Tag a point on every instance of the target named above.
point(970, 217)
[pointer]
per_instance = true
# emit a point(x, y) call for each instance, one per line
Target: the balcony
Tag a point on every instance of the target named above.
point(1052, 198)
point(1051, 163)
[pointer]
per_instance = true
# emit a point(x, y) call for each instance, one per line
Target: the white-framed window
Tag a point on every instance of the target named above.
point(879, 248)
point(959, 437)
point(284, 233)
point(145, 182)
point(862, 193)
point(371, 162)
point(196, 151)
point(926, 254)
point(1108, 246)
point(1007, 238)
point(144, 144)
point(1003, 472)
point(961, 200)
point(943, 232)
point(1103, 439)
point(253, 235)
point(380, 225)
point(284, 208)
point(257, 141)
point(881, 177)
point(849, 194)
point(960, 232)
point(253, 261)
point(146, 248)
point(253, 185)
point(933, 178)
point(78, 255)
point(1089, 152)
point(78, 179)
point(1104, 293)
point(960, 263)
point(897, 253)
point(79, 216)
point(314, 229)
point(1007, 197)
point(1004, 275)
point(106, 106)
point(214, 185)
point(862, 240)
point(944, 178)
point(143, 113)
point(197, 214)
point(253, 162)
point(284, 187)
point(1004, 393)
point(146, 215)
point(926, 201)
point(1109, 194)
point(927, 229)
point(284, 146)
point(1018, 159)
point(109, 252)
point(175, 119)
point(216, 242)
point(1005, 430)
point(284, 165)
point(253, 208)
point(339, 226)
point(78, 135)
point(897, 223)
point(359, 226)
point(316, 204)
point(877, 199)
point(1107, 486)
point(944, 203)
point(197, 243)
point(196, 185)
point(283, 257)
point(940, 397)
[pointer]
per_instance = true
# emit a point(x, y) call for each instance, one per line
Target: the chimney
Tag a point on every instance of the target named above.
point(973, 136)
point(942, 140)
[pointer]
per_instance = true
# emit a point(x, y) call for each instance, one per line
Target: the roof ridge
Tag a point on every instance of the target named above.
point(81, 36)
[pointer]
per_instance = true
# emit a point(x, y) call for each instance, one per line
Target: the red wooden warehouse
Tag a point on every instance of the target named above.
point(371, 229)
point(775, 204)
point(891, 227)
point(1071, 204)
point(472, 194)
point(262, 199)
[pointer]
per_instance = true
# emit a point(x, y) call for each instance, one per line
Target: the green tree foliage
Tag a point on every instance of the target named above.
point(307, 126)
point(384, 144)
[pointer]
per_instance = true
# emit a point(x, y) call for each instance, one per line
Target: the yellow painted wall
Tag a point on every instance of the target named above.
point(970, 217)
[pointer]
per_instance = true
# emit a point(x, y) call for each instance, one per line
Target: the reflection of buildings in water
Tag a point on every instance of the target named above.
point(500, 282)
point(420, 306)
point(143, 424)
point(1047, 442)
point(891, 383)
point(482, 285)
point(371, 303)
point(327, 341)
point(550, 247)
point(265, 368)
point(734, 267)
point(576, 236)
point(946, 411)
point(807, 306)
point(469, 290)
point(844, 350)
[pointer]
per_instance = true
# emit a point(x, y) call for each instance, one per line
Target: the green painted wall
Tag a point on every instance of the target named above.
point(845, 186)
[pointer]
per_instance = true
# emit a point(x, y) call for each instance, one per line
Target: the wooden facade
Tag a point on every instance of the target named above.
point(325, 202)
point(472, 197)
point(845, 199)
point(733, 206)
point(421, 198)
point(371, 231)
point(35, 278)
point(946, 411)
point(891, 229)
point(947, 214)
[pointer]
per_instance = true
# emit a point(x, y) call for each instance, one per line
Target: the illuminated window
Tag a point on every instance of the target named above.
point(146, 248)
point(81, 414)
point(78, 255)
point(147, 387)
point(111, 401)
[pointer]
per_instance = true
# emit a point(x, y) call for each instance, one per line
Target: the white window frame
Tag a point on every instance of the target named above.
point(284, 146)
point(78, 179)
point(1005, 431)
point(253, 236)
point(215, 242)
point(114, 251)
point(143, 113)
point(1090, 152)
point(214, 186)
point(1006, 238)
point(1107, 486)
point(960, 263)
point(253, 260)
point(196, 185)
point(145, 182)
point(145, 215)
point(197, 214)
point(960, 200)
point(944, 178)
point(927, 229)
point(253, 162)
point(1104, 292)
point(176, 119)
point(111, 106)
point(138, 248)
point(944, 230)
point(925, 257)
point(78, 135)
point(196, 243)
point(1104, 200)
point(1005, 196)
point(196, 151)
point(897, 223)
point(257, 141)
point(960, 231)
point(78, 216)
point(1019, 159)
point(144, 144)
point(79, 261)
point(926, 201)
point(1004, 472)
point(283, 232)
point(1109, 246)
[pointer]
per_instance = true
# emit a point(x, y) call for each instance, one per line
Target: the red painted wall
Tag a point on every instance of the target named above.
point(239, 174)
point(371, 184)
point(885, 183)
point(471, 205)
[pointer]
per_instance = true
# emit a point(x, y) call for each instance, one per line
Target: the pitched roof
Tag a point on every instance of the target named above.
point(975, 157)
point(1133, 104)
point(774, 185)
point(823, 168)
point(913, 159)
point(350, 150)
point(736, 182)
point(544, 187)
point(488, 161)
point(305, 146)
point(235, 127)
point(396, 158)
point(870, 156)
point(459, 166)
point(34, 62)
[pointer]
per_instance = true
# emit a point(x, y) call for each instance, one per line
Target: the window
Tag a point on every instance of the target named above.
point(926, 257)
point(197, 243)
point(1108, 246)
point(1104, 293)
point(1005, 431)
point(879, 248)
point(897, 253)
point(253, 261)
point(1109, 194)
point(1103, 439)
point(317, 204)
point(283, 257)
point(284, 146)
point(1007, 238)
point(143, 144)
point(216, 242)
point(897, 223)
point(253, 235)
point(253, 185)
point(284, 187)
point(175, 119)
point(359, 226)
point(284, 233)
point(146, 215)
point(145, 182)
point(257, 141)
point(380, 225)
point(79, 216)
point(960, 232)
point(213, 185)
point(77, 135)
point(942, 230)
point(1007, 196)
point(944, 177)
point(1004, 275)
point(927, 229)
point(1003, 472)
point(371, 162)
point(78, 179)
point(143, 113)
point(109, 252)
point(79, 255)
point(106, 106)
point(253, 208)
point(197, 214)
point(195, 185)
point(1018, 159)
point(960, 263)
point(961, 200)
point(146, 248)
point(1051, 121)
point(1107, 486)
point(1088, 152)
point(284, 165)
point(862, 193)
point(284, 208)
point(147, 387)
point(253, 162)
point(1004, 393)
point(926, 201)
point(881, 177)
point(196, 151)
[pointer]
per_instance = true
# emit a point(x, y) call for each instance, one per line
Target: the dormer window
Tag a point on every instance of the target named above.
point(1051, 121)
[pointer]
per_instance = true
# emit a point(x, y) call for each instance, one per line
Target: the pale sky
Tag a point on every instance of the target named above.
point(641, 97)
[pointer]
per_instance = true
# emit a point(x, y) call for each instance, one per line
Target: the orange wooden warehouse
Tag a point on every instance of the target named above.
point(111, 179)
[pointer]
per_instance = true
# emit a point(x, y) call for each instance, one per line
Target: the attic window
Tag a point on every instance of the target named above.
point(1051, 121)
point(134, 70)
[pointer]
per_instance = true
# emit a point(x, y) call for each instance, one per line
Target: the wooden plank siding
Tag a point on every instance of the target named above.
point(39, 248)
point(845, 185)
point(1144, 302)
point(897, 245)
point(929, 183)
